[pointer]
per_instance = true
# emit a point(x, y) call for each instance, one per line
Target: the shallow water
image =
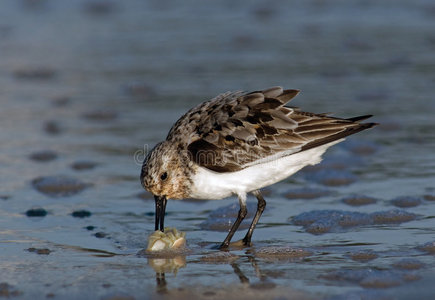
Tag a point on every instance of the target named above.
point(86, 87)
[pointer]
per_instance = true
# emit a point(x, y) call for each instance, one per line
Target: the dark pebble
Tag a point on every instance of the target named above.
point(406, 201)
point(351, 275)
point(381, 281)
point(36, 212)
point(36, 6)
point(332, 177)
point(41, 251)
point(331, 217)
point(281, 252)
point(100, 235)
point(354, 43)
point(321, 227)
point(392, 216)
point(43, 156)
point(118, 296)
point(5, 197)
point(428, 247)
point(219, 257)
point(61, 101)
point(59, 186)
point(411, 276)
point(323, 221)
point(52, 127)
point(101, 115)
point(99, 7)
point(361, 147)
point(353, 219)
point(363, 256)
point(264, 12)
point(366, 294)
point(428, 197)
point(35, 74)
point(263, 285)
point(358, 200)
point(307, 193)
point(408, 264)
point(90, 228)
point(374, 95)
point(368, 278)
point(397, 61)
point(8, 291)
point(83, 165)
point(311, 30)
point(243, 41)
point(334, 74)
point(389, 125)
point(81, 214)
point(138, 89)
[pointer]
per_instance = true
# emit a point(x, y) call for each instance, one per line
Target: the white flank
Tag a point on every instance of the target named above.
point(208, 184)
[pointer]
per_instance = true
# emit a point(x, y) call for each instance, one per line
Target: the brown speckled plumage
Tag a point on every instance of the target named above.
point(236, 129)
point(238, 143)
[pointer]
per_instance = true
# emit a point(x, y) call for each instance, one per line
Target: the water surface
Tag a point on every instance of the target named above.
point(87, 87)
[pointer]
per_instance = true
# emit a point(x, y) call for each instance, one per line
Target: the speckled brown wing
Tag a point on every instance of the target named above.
point(236, 130)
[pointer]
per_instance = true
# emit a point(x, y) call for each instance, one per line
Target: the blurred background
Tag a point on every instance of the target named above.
point(87, 86)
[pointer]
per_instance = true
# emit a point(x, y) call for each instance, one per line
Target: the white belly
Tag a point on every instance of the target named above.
point(208, 184)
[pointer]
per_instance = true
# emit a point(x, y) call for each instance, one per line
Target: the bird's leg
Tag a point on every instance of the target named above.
point(242, 277)
point(260, 208)
point(241, 215)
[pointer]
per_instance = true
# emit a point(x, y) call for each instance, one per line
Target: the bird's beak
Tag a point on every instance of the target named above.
point(160, 212)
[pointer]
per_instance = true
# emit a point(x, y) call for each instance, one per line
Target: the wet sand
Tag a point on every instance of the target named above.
point(87, 87)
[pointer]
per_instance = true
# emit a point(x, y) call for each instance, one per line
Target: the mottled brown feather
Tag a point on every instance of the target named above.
point(236, 129)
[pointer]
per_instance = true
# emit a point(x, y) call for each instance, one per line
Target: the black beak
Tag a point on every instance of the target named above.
point(160, 212)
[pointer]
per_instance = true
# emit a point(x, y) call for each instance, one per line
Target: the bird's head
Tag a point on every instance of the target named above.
point(164, 174)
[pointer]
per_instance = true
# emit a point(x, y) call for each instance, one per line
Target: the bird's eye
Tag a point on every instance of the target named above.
point(164, 176)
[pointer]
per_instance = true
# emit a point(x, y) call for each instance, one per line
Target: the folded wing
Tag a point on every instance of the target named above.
point(237, 130)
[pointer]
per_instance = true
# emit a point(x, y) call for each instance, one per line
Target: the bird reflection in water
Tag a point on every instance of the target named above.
point(165, 263)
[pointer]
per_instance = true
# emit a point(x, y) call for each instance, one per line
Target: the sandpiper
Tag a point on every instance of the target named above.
point(238, 143)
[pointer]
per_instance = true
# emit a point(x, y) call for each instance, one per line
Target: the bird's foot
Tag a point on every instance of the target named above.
point(237, 245)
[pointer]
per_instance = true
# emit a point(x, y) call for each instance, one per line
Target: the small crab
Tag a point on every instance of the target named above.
point(170, 239)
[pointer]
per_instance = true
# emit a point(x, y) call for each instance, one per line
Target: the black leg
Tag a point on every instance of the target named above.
point(260, 208)
point(242, 214)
